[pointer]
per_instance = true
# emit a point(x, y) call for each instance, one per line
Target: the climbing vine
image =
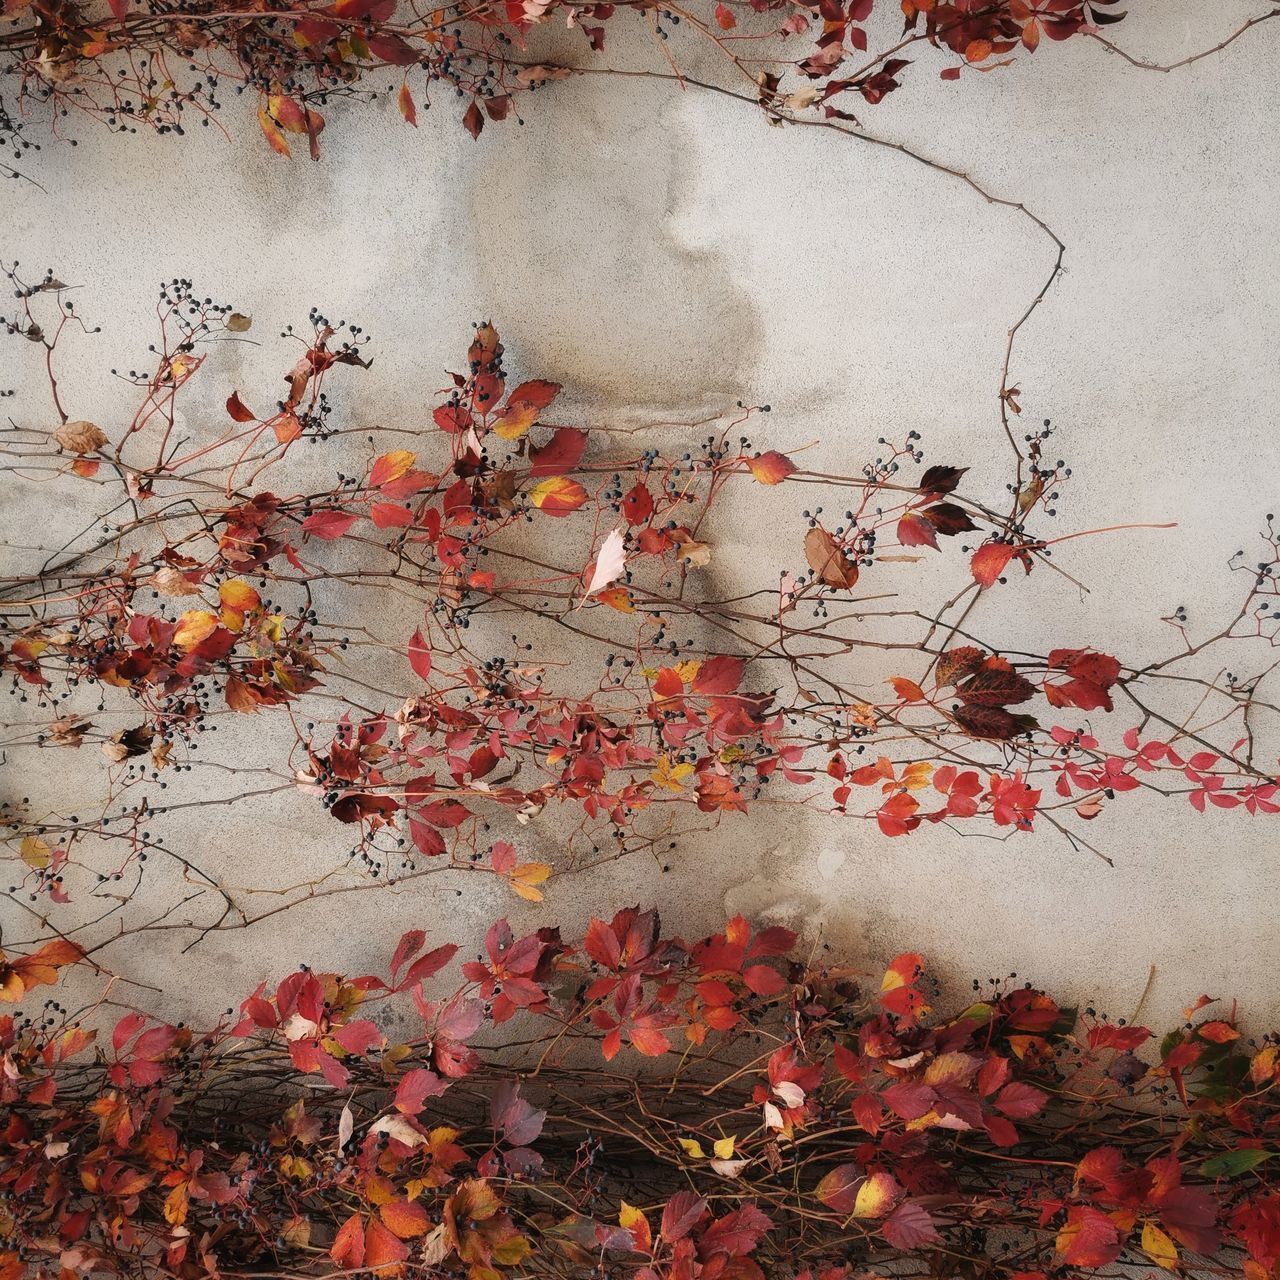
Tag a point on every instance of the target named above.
point(661, 1109)
point(406, 622)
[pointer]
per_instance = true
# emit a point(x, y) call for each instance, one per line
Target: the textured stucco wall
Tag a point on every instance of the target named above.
point(668, 253)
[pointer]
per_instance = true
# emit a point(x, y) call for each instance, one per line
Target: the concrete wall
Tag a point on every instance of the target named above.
point(665, 253)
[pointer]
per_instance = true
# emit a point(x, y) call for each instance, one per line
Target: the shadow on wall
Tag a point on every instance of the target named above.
point(577, 243)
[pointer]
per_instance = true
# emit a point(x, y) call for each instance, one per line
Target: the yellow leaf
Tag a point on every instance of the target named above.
point(1158, 1247)
point(238, 595)
point(724, 1149)
point(916, 775)
point(670, 776)
point(875, 1196)
point(516, 421)
point(35, 853)
point(693, 1148)
point(629, 1216)
point(526, 876)
point(175, 1205)
point(194, 626)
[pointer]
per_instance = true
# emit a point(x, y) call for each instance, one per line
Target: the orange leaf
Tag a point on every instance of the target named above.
point(558, 496)
point(906, 689)
point(771, 467)
point(273, 133)
point(405, 101)
point(989, 562)
point(406, 1219)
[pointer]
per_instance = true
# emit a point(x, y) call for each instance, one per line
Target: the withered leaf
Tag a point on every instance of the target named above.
point(828, 560)
point(80, 437)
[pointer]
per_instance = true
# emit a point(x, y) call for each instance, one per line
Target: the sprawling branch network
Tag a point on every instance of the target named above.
point(408, 625)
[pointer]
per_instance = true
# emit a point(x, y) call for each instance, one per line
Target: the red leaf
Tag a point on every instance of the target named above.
point(409, 945)
point(473, 121)
point(390, 515)
point(348, 1248)
point(1089, 1239)
point(719, 675)
point(726, 22)
point(237, 409)
point(328, 524)
point(915, 531)
point(909, 1226)
point(561, 453)
point(453, 418)
point(426, 966)
point(419, 655)
point(637, 506)
point(1107, 1036)
point(1020, 1101)
point(839, 1189)
point(682, 1213)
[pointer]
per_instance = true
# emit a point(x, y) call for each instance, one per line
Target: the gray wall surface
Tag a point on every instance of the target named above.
point(666, 253)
